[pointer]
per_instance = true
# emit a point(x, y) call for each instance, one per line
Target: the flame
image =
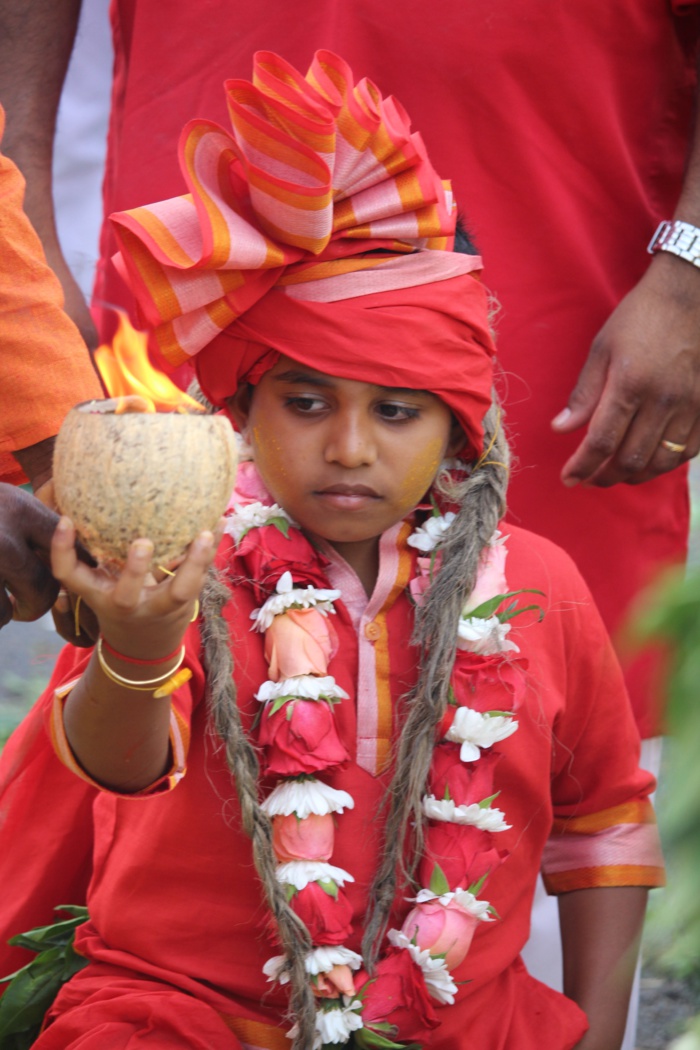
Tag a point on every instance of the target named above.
point(126, 369)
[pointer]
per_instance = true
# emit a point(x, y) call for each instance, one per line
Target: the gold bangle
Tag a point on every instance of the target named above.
point(178, 679)
point(147, 686)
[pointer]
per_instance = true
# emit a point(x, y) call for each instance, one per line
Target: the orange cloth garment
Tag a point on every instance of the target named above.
point(44, 364)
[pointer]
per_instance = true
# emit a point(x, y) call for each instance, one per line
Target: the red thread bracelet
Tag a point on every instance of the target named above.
point(141, 663)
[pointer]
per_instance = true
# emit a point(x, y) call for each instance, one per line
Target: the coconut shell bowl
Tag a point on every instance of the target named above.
point(122, 472)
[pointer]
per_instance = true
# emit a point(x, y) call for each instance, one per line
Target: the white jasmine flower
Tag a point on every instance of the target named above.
point(427, 536)
point(484, 636)
point(453, 463)
point(437, 977)
point(474, 730)
point(305, 797)
point(304, 686)
point(466, 900)
point(324, 957)
point(483, 817)
point(287, 597)
point(334, 1024)
point(299, 873)
point(320, 960)
point(252, 516)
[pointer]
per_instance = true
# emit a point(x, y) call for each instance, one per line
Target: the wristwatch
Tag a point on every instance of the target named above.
point(679, 238)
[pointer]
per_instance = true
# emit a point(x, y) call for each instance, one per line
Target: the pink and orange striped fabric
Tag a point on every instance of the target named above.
point(316, 172)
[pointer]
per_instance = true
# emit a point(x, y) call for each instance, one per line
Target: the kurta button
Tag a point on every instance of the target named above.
point(373, 631)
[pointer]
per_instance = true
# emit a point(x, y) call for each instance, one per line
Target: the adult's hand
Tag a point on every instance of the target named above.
point(641, 383)
point(27, 588)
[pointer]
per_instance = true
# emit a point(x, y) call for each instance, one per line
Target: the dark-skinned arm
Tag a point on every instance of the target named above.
point(36, 41)
point(641, 382)
point(600, 930)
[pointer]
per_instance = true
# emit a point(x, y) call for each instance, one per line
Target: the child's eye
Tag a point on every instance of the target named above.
point(393, 412)
point(305, 404)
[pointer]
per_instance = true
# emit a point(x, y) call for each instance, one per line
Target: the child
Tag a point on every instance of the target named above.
point(408, 737)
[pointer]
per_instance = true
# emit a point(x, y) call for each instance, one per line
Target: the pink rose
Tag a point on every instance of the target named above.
point(463, 782)
point(464, 853)
point(327, 918)
point(425, 575)
point(338, 981)
point(310, 838)
point(300, 641)
point(301, 737)
point(397, 995)
point(490, 578)
point(442, 929)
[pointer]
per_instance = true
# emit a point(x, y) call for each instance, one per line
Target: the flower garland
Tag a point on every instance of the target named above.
point(299, 738)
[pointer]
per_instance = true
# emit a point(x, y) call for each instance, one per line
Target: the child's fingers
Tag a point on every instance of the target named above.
point(128, 588)
point(189, 578)
point(68, 567)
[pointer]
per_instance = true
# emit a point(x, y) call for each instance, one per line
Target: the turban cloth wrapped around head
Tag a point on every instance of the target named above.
point(317, 228)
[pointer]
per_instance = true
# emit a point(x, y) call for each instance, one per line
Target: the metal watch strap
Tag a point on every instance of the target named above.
point(679, 238)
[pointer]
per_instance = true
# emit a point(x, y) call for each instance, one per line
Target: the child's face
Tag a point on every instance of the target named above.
point(345, 459)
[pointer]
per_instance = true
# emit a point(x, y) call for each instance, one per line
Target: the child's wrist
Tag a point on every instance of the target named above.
point(140, 675)
point(155, 661)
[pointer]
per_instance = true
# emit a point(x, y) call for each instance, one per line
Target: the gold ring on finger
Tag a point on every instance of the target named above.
point(673, 446)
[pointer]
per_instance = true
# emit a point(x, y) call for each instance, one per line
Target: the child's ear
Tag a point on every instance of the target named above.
point(457, 440)
point(238, 406)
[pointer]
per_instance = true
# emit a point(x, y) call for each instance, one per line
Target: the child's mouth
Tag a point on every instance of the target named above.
point(347, 497)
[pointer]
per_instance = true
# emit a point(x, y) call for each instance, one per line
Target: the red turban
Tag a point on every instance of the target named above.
point(317, 229)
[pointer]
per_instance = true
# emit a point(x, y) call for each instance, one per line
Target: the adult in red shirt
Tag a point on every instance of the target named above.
point(566, 130)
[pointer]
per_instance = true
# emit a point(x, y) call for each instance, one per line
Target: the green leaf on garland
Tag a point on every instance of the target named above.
point(330, 887)
point(488, 608)
point(280, 523)
point(372, 1039)
point(279, 703)
point(447, 797)
point(290, 892)
point(486, 802)
point(476, 887)
point(438, 882)
point(509, 615)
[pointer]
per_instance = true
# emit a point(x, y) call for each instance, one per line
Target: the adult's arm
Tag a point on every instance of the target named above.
point(36, 41)
point(600, 930)
point(27, 587)
point(641, 382)
point(45, 367)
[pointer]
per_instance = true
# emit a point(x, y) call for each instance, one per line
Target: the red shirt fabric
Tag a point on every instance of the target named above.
point(563, 128)
point(175, 903)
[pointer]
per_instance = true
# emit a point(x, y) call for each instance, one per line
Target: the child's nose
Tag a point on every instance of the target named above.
point(351, 443)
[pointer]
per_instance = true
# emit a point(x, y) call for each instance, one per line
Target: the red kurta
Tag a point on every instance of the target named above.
point(563, 127)
point(175, 903)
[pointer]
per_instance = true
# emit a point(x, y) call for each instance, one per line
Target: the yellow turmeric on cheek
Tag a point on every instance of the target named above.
point(421, 472)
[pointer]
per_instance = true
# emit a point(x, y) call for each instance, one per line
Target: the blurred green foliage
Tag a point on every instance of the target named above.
point(672, 613)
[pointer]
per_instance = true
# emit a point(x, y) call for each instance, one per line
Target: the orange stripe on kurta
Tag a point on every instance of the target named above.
point(628, 813)
point(257, 1034)
point(614, 875)
point(382, 662)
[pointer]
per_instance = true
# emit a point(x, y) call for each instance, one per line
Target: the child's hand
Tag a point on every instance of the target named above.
point(138, 616)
